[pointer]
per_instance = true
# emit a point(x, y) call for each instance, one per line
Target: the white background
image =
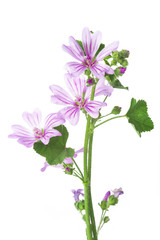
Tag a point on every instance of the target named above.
point(35, 205)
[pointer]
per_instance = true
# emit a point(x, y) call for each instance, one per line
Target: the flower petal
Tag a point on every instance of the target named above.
point(44, 167)
point(86, 40)
point(33, 119)
point(76, 86)
point(98, 70)
point(102, 89)
point(60, 96)
point(93, 107)
point(75, 68)
point(20, 131)
point(72, 114)
point(78, 51)
point(53, 120)
point(107, 50)
point(27, 141)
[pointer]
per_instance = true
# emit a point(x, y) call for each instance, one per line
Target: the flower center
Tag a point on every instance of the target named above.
point(38, 133)
point(88, 61)
point(80, 102)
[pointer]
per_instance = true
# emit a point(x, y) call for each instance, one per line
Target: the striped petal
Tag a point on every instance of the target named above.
point(75, 68)
point(20, 131)
point(49, 134)
point(72, 114)
point(32, 119)
point(78, 51)
point(60, 96)
point(107, 50)
point(27, 141)
point(98, 70)
point(91, 42)
point(76, 86)
point(102, 89)
point(53, 120)
point(93, 107)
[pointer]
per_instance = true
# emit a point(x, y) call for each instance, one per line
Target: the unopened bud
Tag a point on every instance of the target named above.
point(116, 110)
point(106, 219)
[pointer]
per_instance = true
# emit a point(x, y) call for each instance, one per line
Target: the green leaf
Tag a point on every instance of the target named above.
point(55, 151)
point(100, 49)
point(114, 82)
point(138, 116)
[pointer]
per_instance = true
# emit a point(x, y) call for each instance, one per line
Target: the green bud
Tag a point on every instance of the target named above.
point(103, 205)
point(120, 60)
point(115, 54)
point(106, 219)
point(117, 72)
point(114, 62)
point(87, 72)
point(113, 200)
point(125, 63)
point(116, 110)
point(80, 205)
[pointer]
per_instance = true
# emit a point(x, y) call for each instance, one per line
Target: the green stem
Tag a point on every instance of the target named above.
point(78, 168)
point(86, 181)
point(109, 120)
point(89, 189)
point(102, 217)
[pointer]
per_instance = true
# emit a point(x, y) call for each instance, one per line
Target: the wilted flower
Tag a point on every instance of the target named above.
point(91, 43)
point(37, 133)
point(117, 192)
point(81, 100)
point(77, 193)
point(66, 161)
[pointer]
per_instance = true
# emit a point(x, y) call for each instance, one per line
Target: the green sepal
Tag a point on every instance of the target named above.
point(81, 45)
point(138, 116)
point(55, 151)
point(112, 200)
point(103, 205)
point(80, 205)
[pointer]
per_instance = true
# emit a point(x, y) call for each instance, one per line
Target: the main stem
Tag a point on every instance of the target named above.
point(90, 220)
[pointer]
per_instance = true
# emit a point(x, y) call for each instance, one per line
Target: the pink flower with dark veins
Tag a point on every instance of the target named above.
point(91, 43)
point(81, 98)
point(28, 137)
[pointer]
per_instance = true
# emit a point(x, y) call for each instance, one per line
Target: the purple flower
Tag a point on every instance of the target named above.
point(122, 70)
point(81, 98)
point(106, 196)
point(37, 133)
point(117, 192)
point(91, 43)
point(77, 193)
point(66, 161)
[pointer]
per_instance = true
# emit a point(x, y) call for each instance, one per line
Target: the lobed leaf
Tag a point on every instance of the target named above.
point(138, 116)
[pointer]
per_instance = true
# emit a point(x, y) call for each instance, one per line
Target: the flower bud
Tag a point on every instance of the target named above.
point(106, 219)
point(90, 82)
point(115, 54)
point(116, 110)
point(124, 63)
point(87, 72)
point(122, 70)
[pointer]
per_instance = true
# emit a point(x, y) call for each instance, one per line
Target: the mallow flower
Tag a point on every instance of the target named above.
point(117, 192)
point(28, 137)
point(66, 161)
point(77, 193)
point(88, 60)
point(81, 98)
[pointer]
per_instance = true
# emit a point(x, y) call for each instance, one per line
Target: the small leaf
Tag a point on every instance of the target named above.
point(55, 151)
point(114, 82)
point(138, 116)
point(80, 43)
